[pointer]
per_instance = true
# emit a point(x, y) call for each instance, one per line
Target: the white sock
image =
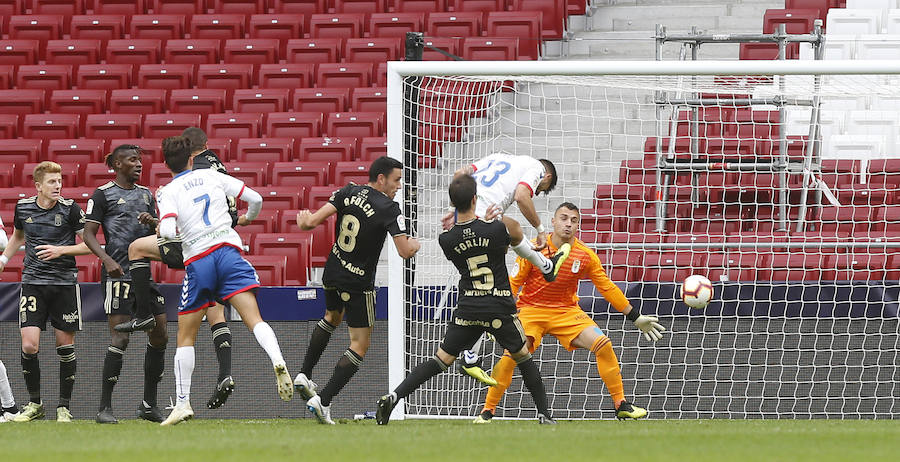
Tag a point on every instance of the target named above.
point(265, 336)
point(184, 368)
point(6, 395)
point(537, 259)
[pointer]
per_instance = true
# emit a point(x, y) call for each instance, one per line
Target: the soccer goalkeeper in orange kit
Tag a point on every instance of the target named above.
point(552, 308)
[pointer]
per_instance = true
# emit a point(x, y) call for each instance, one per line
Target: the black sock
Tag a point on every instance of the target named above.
point(67, 367)
point(31, 368)
point(11, 410)
point(421, 374)
point(154, 363)
point(112, 366)
point(317, 343)
point(343, 372)
point(222, 340)
point(140, 283)
point(532, 378)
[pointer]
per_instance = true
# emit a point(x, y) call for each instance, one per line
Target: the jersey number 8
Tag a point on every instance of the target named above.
point(349, 229)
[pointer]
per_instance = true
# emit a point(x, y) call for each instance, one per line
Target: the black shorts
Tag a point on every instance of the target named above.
point(170, 253)
point(358, 307)
point(61, 304)
point(463, 332)
point(118, 298)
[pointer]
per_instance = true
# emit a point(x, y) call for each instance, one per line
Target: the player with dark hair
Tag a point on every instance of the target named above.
point(552, 308)
point(47, 224)
point(194, 206)
point(478, 250)
point(366, 213)
point(8, 409)
point(116, 206)
point(168, 251)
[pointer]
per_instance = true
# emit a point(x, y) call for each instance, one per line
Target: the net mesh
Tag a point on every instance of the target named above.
point(680, 175)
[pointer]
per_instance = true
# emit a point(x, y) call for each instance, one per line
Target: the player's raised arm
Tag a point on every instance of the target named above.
point(236, 188)
point(307, 220)
point(16, 240)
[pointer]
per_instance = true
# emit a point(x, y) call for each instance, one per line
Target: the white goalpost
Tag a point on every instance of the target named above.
point(777, 180)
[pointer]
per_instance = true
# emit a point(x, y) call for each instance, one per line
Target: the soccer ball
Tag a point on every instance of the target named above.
point(696, 291)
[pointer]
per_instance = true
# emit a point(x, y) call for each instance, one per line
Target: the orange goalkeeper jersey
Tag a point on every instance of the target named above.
point(583, 263)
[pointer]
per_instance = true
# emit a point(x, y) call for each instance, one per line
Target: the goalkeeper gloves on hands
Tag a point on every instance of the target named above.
point(649, 325)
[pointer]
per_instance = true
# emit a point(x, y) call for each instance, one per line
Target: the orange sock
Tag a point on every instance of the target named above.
point(502, 373)
point(608, 367)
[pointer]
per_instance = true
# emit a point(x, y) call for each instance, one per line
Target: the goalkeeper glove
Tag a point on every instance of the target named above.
point(649, 325)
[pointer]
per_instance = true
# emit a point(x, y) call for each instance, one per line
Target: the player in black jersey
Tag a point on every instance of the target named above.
point(366, 213)
point(47, 224)
point(169, 252)
point(478, 250)
point(116, 206)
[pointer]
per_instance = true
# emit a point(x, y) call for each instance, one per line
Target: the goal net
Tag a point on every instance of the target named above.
point(776, 180)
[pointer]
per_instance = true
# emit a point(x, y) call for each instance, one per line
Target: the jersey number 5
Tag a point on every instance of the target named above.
point(476, 271)
point(349, 229)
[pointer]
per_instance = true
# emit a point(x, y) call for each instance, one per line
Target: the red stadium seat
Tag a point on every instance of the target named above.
point(234, 126)
point(78, 151)
point(455, 24)
point(103, 76)
point(167, 275)
point(252, 173)
point(40, 27)
point(379, 77)
point(821, 5)
point(133, 51)
point(447, 44)
point(221, 146)
point(671, 266)
point(282, 197)
point(296, 125)
point(73, 51)
point(490, 48)
point(314, 50)
point(523, 25)
point(797, 266)
point(553, 16)
point(355, 171)
point(323, 240)
point(320, 99)
point(165, 76)
point(203, 101)
point(395, 24)
point(426, 6)
point(78, 101)
point(251, 51)
point(19, 51)
point(286, 245)
point(123, 7)
point(217, 26)
point(269, 269)
point(371, 50)
point(69, 175)
point(476, 5)
point(57, 7)
point(12, 271)
point(297, 76)
point(107, 126)
point(10, 196)
point(354, 124)
point(261, 100)
point(336, 25)
point(245, 7)
point(319, 196)
point(21, 151)
point(304, 7)
point(371, 148)
point(183, 7)
point(847, 220)
point(165, 125)
point(369, 99)
point(325, 150)
point(796, 21)
point(269, 150)
point(157, 26)
point(51, 126)
point(359, 6)
point(224, 76)
point(159, 175)
point(45, 77)
point(9, 126)
point(7, 75)
point(276, 26)
point(151, 148)
point(265, 222)
point(346, 75)
point(306, 174)
point(192, 51)
point(137, 101)
point(97, 27)
point(859, 267)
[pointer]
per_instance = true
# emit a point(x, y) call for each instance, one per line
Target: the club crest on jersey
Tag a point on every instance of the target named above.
point(146, 199)
point(57, 219)
point(576, 265)
point(401, 223)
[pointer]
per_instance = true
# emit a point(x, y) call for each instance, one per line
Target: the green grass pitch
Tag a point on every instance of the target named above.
point(427, 440)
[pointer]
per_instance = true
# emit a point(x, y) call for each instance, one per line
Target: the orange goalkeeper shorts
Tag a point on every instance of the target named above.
point(563, 323)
